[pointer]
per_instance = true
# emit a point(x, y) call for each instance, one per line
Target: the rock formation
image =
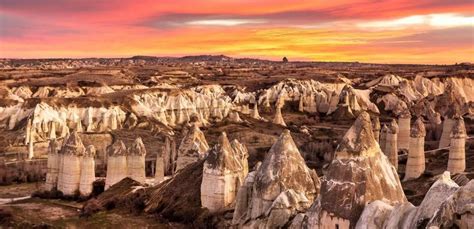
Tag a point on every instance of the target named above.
point(376, 128)
point(457, 149)
point(383, 139)
point(457, 210)
point(223, 173)
point(169, 156)
point(116, 163)
point(255, 113)
point(359, 174)
point(391, 147)
point(416, 152)
point(70, 165)
point(404, 130)
point(242, 154)
point(445, 139)
point(136, 161)
point(193, 146)
point(53, 166)
point(234, 117)
point(278, 119)
point(282, 186)
point(87, 171)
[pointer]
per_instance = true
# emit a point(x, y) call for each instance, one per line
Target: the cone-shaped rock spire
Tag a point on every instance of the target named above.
point(281, 186)
point(222, 176)
point(136, 161)
point(359, 174)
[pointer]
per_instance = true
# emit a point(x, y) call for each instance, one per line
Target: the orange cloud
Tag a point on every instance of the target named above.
point(371, 31)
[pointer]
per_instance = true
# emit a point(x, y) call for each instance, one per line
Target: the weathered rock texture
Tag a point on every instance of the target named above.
point(445, 139)
point(282, 186)
point(416, 153)
point(169, 156)
point(116, 163)
point(87, 171)
point(457, 149)
point(278, 119)
point(359, 174)
point(223, 173)
point(444, 206)
point(136, 161)
point(53, 166)
point(391, 149)
point(193, 147)
point(70, 165)
point(457, 210)
point(404, 131)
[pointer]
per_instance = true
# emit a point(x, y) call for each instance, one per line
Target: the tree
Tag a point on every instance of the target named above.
point(285, 60)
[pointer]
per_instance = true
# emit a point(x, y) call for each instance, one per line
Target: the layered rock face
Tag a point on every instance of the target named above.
point(136, 161)
point(223, 173)
point(404, 131)
point(87, 171)
point(193, 146)
point(391, 147)
point(116, 163)
point(457, 149)
point(416, 153)
point(282, 186)
point(70, 165)
point(359, 174)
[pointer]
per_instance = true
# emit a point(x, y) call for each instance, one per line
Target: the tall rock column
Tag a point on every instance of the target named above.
point(71, 152)
point(457, 149)
point(278, 119)
point(222, 176)
point(416, 153)
point(53, 166)
point(116, 163)
point(404, 130)
point(87, 171)
point(136, 161)
point(391, 149)
point(445, 139)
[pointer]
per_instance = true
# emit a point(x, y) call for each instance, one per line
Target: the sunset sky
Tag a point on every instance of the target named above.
point(393, 31)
